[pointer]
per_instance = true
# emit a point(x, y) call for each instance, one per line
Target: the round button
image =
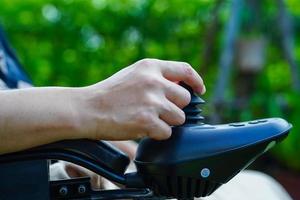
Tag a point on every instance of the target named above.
point(205, 172)
point(81, 189)
point(63, 191)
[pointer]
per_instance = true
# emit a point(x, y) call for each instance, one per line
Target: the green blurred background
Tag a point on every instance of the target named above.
point(80, 42)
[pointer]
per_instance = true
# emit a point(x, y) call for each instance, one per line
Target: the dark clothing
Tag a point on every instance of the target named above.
point(11, 73)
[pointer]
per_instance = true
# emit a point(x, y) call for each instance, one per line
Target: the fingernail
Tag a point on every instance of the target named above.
point(199, 90)
point(202, 89)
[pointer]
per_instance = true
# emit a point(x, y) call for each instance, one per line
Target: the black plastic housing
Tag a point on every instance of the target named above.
point(196, 160)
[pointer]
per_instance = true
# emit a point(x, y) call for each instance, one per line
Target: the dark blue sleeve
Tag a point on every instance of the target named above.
point(15, 71)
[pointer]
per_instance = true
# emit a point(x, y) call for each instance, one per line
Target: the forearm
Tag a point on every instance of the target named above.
point(31, 117)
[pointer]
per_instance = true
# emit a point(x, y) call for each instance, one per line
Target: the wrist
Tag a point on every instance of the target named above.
point(65, 103)
point(77, 109)
point(86, 106)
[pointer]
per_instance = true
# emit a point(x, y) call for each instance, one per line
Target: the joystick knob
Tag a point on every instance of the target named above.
point(192, 112)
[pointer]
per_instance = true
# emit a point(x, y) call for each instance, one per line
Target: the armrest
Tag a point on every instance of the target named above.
point(97, 156)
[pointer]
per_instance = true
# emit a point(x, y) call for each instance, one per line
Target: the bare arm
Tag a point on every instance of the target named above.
point(31, 117)
point(140, 100)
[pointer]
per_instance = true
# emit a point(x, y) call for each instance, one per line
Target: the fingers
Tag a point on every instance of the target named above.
point(169, 115)
point(159, 130)
point(202, 88)
point(172, 115)
point(180, 71)
point(165, 98)
point(177, 94)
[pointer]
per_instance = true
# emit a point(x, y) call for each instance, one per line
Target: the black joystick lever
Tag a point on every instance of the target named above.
point(192, 110)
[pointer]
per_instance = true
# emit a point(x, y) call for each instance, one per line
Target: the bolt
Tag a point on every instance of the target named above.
point(63, 191)
point(81, 189)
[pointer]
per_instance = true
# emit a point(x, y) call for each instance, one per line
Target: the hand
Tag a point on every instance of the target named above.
point(140, 100)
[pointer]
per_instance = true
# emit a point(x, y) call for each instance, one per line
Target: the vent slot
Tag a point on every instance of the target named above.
point(169, 186)
point(190, 188)
point(181, 187)
point(184, 187)
point(205, 188)
point(198, 188)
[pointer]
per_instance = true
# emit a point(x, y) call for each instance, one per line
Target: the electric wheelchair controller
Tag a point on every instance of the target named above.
point(194, 162)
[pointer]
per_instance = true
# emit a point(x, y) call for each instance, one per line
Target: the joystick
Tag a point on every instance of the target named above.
point(192, 110)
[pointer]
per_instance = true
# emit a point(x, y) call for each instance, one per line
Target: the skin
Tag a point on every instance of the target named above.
point(141, 100)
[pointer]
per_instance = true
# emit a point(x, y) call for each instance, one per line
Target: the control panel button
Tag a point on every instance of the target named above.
point(254, 122)
point(258, 121)
point(262, 120)
point(237, 124)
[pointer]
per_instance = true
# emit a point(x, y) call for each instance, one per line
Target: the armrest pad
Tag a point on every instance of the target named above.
point(98, 156)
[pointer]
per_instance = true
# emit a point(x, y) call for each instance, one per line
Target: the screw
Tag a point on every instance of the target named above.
point(205, 172)
point(81, 189)
point(63, 191)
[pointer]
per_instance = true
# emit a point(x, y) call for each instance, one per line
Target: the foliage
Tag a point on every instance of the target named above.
point(79, 42)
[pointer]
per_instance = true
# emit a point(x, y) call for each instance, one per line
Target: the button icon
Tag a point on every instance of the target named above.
point(205, 172)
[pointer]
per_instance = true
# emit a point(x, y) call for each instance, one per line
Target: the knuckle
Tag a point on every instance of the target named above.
point(166, 133)
point(187, 68)
point(185, 64)
point(144, 118)
point(186, 98)
point(152, 81)
point(165, 109)
point(168, 87)
point(148, 82)
point(178, 118)
point(146, 101)
point(189, 71)
point(146, 62)
point(156, 104)
point(182, 99)
point(176, 115)
point(181, 117)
